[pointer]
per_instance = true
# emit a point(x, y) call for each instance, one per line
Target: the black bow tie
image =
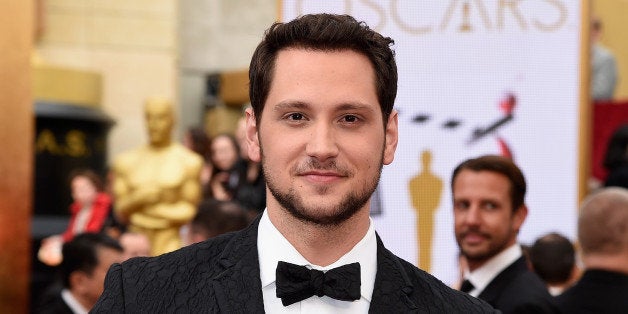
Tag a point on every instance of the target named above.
point(466, 286)
point(296, 283)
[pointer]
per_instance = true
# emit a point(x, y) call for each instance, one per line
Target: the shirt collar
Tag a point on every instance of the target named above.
point(72, 302)
point(481, 277)
point(273, 247)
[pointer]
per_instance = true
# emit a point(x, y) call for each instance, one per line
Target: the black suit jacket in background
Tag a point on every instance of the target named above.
point(597, 291)
point(518, 290)
point(222, 275)
point(53, 305)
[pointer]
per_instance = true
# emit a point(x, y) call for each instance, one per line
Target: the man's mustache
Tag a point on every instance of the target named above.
point(315, 165)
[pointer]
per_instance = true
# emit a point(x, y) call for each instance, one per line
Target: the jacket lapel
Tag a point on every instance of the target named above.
point(393, 288)
point(492, 292)
point(237, 283)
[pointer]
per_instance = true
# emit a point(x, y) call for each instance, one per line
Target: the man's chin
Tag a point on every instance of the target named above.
point(474, 252)
point(321, 217)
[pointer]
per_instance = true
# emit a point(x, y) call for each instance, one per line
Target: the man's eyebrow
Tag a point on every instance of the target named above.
point(285, 105)
point(290, 104)
point(354, 106)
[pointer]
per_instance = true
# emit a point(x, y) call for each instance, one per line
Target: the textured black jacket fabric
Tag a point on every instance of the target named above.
point(222, 275)
point(518, 290)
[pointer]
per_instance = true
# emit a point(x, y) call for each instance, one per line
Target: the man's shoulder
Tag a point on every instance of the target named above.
point(184, 280)
point(184, 260)
point(54, 305)
point(525, 291)
point(599, 291)
point(429, 291)
point(528, 281)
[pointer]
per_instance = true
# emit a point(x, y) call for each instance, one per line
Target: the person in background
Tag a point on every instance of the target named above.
point(603, 65)
point(251, 192)
point(134, 244)
point(215, 218)
point(225, 154)
point(616, 158)
point(86, 259)
point(553, 258)
point(236, 177)
point(488, 205)
point(88, 213)
point(322, 90)
point(196, 139)
point(603, 238)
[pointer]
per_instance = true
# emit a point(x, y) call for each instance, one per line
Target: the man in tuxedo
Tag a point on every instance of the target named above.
point(322, 124)
point(86, 259)
point(489, 210)
point(603, 237)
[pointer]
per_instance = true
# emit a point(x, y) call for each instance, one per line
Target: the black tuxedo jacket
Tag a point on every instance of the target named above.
point(597, 291)
point(518, 290)
point(222, 275)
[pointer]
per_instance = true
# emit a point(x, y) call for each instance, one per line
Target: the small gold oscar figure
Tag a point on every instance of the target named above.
point(425, 191)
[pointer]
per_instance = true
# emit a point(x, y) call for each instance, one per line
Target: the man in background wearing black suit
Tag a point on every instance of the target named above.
point(489, 210)
point(322, 123)
point(86, 259)
point(603, 237)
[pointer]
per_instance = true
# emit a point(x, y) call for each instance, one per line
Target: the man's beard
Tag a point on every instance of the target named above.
point(347, 208)
point(495, 247)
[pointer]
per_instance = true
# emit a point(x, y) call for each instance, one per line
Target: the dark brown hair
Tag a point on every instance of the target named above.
point(501, 165)
point(553, 257)
point(91, 175)
point(324, 32)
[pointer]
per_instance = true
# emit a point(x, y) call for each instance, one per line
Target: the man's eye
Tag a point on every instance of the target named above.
point(295, 116)
point(350, 118)
point(490, 206)
point(461, 205)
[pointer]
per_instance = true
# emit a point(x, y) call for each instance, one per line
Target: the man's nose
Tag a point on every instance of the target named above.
point(473, 216)
point(322, 143)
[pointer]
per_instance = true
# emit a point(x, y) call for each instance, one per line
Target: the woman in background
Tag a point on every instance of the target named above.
point(89, 212)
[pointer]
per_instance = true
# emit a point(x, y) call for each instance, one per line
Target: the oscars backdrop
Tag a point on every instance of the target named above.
point(475, 77)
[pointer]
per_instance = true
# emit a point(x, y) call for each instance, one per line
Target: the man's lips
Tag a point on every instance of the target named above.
point(321, 176)
point(473, 237)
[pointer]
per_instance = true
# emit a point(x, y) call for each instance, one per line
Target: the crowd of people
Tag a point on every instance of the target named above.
point(547, 276)
point(196, 222)
point(104, 228)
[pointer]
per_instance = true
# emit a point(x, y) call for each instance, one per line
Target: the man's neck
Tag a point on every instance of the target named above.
point(474, 264)
point(321, 245)
point(611, 262)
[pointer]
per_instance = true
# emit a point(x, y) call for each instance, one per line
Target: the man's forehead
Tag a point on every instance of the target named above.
point(488, 181)
point(485, 174)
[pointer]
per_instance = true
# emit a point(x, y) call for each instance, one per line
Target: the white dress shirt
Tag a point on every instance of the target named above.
point(481, 277)
point(273, 247)
point(72, 302)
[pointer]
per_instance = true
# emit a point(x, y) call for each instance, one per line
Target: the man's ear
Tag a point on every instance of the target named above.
point(519, 216)
point(252, 136)
point(392, 137)
point(77, 281)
